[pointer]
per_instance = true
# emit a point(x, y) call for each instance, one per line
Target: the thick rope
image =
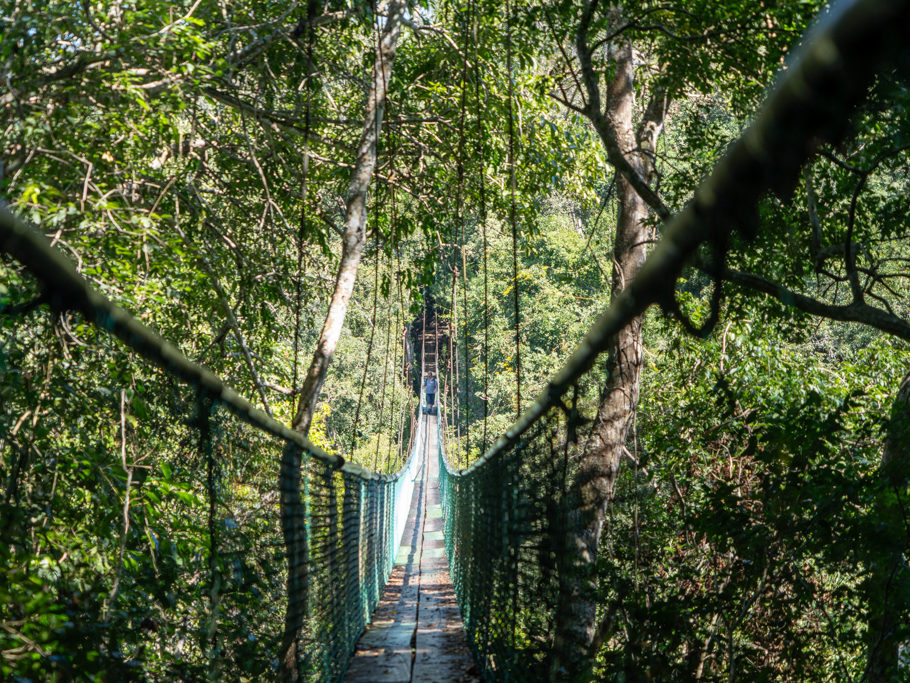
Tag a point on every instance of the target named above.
point(801, 112)
point(67, 290)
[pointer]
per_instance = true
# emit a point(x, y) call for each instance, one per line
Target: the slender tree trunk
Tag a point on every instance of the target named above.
point(889, 580)
point(354, 228)
point(353, 239)
point(576, 617)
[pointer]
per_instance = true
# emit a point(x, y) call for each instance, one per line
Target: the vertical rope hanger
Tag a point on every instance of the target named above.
point(304, 187)
point(385, 375)
point(400, 337)
point(403, 357)
point(512, 550)
point(512, 217)
point(294, 530)
point(376, 122)
point(423, 347)
point(407, 406)
point(483, 222)
point(464, 409)
point(393, 416)
point(366, 365)
point(204, 407)
point(452, 366)
point(393, 222)
point(376, 233)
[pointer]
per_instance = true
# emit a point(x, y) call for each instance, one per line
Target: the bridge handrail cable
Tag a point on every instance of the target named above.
point(66, 289)
point(357, 516)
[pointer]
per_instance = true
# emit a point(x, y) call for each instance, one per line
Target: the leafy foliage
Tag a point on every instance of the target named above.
point(192, 159)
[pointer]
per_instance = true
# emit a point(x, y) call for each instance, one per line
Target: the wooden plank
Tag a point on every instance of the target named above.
point(441, 651)
point(384, 652)
point(417, 634)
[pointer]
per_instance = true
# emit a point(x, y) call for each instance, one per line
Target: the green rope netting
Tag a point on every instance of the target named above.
point(350, 537)
point(505, 521)
point(140, 526)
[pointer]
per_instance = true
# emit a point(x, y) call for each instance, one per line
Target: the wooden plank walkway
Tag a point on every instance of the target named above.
point(417, 635)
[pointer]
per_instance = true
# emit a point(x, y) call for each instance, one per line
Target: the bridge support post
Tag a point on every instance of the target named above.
point(293, 527)
point(890, 575)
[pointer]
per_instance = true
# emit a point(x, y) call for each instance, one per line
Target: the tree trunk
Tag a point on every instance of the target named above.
point(354, 228)
point(353, 240)
point(576, 616)
point(889, 580)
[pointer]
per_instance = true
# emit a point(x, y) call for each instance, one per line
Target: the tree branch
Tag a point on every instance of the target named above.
point(857, 311)
point(593, 111)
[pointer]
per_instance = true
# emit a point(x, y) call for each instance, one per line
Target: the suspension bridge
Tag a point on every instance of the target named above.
point(441, 573)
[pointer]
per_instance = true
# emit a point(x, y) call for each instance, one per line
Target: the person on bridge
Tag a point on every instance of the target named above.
point(430, 386)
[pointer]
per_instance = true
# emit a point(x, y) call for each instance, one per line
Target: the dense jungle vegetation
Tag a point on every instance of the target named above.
point(202, 162)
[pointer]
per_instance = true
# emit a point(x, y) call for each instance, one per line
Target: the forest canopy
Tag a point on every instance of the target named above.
point(288, 192)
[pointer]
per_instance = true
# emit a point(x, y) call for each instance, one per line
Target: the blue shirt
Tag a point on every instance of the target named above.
point(430, 385)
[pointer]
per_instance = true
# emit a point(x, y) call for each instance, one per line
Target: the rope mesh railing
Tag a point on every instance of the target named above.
point(504, 525)
point(140, 531)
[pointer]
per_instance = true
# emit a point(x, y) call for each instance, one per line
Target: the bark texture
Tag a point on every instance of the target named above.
point(354, 236)
point(630, 153)
point(889, 580)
